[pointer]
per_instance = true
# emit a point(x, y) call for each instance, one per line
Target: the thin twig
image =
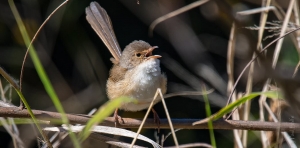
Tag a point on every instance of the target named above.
point(169, 118)
point(287, 138)
point(174, 13)
point(33, 39)
point(230, 71)
point(257, 10)
point(188, 93)
point(144, 120)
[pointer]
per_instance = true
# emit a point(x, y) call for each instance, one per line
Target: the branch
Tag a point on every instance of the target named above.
point(15, 112)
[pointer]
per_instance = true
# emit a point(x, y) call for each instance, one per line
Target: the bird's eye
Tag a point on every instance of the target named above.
point(138, 55)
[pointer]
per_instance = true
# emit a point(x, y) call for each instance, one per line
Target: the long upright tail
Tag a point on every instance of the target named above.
point(100, 22)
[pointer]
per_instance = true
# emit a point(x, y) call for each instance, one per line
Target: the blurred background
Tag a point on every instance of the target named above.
point(193, 46)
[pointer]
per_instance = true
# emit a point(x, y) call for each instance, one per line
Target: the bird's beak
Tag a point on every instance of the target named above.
point(154, 57)
point(149, 53)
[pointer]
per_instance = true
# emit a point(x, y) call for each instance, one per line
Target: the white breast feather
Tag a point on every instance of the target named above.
point(146, 76)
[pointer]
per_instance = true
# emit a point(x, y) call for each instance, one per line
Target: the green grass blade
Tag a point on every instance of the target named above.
point(210, 125)
point(101, 114)
point(230, 107)
point(233, 105)
point(20, 121)
point(41, 72)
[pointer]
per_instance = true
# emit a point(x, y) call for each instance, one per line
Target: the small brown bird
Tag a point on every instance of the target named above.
point(136, 72)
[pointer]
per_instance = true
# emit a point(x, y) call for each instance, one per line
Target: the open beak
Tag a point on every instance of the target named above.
point(149, 53)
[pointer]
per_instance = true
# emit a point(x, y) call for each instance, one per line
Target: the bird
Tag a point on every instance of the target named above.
point(136, 72)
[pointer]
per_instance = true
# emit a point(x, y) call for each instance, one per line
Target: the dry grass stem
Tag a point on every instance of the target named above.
point(230, 61)
point(168, 117)
point(33, 39)
point(262, 99)
point(187, 93)
point(257, 10)
point(144, 119)
point(230, 71)
point(288, 139)
point(174, 13)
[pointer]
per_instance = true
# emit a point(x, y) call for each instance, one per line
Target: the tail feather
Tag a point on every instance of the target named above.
point(100, 22)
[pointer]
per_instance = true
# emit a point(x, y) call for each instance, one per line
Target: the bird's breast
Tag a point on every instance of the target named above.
point(146, 78)
point(139, 83)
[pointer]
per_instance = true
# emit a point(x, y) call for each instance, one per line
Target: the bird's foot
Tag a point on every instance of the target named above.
point(118, 118)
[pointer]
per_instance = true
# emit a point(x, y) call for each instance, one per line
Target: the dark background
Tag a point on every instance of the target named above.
point(77, 61)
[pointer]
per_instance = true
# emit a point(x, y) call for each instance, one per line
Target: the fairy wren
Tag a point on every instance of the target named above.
point(136, 72)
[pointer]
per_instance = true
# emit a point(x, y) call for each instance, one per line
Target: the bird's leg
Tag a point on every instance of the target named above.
point(117, 117)
point(21, 105)
point(156, 119)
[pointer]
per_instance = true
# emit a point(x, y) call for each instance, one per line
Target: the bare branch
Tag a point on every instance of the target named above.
point(15, 112)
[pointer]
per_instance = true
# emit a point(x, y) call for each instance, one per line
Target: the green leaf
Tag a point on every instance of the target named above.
point(233, 105)
point(230, 107)
point(105, 110)
point(210, 125)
